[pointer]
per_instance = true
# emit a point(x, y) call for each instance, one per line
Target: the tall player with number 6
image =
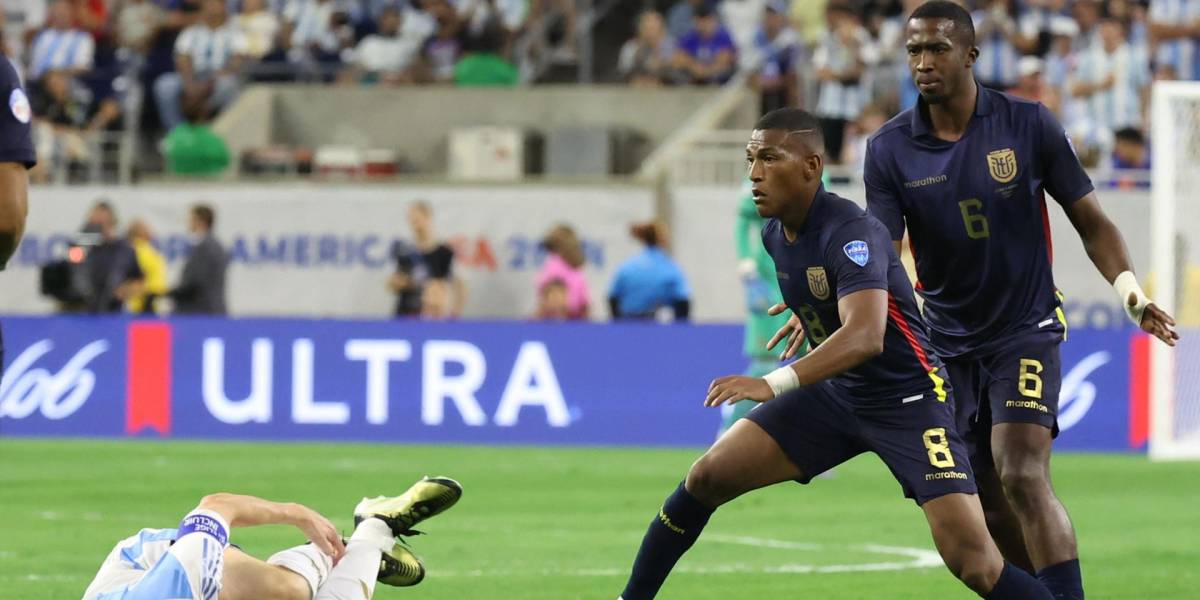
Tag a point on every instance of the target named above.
point(966, 172)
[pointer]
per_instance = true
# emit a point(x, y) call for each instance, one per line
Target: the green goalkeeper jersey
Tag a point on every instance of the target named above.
point(762, 286)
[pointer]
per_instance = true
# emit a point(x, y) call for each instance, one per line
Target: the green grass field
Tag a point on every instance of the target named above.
point(556, 524)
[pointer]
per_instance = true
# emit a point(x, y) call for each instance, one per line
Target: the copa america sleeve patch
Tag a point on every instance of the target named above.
point(857, 251)
point(18, 103)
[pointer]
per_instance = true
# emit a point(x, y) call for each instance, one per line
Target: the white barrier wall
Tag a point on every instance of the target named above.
point(324, 250)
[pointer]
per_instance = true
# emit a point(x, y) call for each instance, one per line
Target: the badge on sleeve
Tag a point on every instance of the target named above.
point(19, 105)
point(857, 251)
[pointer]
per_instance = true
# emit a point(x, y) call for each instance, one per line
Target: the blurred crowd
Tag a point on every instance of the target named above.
point(91, 65)
point(1091, 61)
point(171, 65)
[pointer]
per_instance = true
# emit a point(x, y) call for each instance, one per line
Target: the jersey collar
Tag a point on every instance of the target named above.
point(814, 209)
point(920, 125)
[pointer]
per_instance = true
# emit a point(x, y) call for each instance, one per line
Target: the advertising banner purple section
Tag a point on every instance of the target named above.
point(409, 381)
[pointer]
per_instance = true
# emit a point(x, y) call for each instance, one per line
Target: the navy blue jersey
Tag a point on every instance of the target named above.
point(16, 145)
point(839, 251)
point(976, 216)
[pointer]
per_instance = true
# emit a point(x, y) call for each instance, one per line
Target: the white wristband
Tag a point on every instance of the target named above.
point(1126, 283)
point(782, 380)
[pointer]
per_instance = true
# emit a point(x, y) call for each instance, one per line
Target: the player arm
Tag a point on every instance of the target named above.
point(1106, 248)
point(14, 206)
point(860, 338)
point(864, 323)
point(883, 201)
point(248, 511)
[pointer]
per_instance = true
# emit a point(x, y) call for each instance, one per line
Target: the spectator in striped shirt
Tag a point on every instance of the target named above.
point(316, 33)
point(997, 36)
point(60, 46)
point(1175, 30)
point(841, 60)
point(1110, 80)
point(206, 67)
point(389, 56)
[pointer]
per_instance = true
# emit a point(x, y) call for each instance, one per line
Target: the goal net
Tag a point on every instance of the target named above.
point(1175, 259)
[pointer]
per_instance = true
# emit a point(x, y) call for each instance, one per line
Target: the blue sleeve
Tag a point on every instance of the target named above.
point(1065, 178)
point(857, 256)
point(618, 283)
point(689, 44)
point(680, 290)
point(725, 42)
point(883, 201)
point(16, 143)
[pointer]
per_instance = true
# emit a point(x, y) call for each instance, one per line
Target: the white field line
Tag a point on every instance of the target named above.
point(918, 558)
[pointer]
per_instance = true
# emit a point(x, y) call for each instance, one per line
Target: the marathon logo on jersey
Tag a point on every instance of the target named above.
point(1002, 164)
point(818, 283)
point(18, 103)
point(857, 251)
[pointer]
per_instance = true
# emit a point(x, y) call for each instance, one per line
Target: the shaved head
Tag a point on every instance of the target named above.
point(800, 127)
point(962, 29)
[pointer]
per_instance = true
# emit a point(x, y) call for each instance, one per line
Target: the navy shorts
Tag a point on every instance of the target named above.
point(819, 428)
point(1017, 383)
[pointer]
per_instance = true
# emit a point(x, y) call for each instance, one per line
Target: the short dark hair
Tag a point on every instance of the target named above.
point(205, 213)
point(1131, 135)
point(795, 119)
point(943, 9)
point(107, 207)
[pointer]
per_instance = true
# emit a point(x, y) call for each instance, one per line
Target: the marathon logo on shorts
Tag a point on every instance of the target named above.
point(857, 251)
point(198, 523)
point(945, 475)
point(1026, 404)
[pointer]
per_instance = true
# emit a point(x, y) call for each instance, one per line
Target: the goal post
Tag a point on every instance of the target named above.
point(1175, 264)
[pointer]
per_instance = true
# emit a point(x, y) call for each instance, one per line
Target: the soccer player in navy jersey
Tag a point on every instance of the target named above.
point(966, 171)
point(870, 383)
point(16, 157)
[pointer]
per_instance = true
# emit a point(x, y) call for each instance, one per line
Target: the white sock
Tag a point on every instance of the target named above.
point(306, 561)
point(354, 576)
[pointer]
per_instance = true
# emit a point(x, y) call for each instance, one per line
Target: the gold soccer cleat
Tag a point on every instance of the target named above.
point(400, 567)
point(428, 497)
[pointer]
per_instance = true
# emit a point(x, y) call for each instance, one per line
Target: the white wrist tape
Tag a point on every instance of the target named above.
point(782, 380)
point(1126, 283)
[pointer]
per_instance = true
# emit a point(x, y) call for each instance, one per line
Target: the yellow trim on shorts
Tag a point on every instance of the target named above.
point(1062, 316)
point(939, 385)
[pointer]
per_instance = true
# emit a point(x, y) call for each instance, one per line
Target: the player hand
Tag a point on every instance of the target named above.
point(1157, 322)
point(793, 331)
point(320, 532)
point(738, 387)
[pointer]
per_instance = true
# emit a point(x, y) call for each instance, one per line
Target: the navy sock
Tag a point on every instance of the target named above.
point(1015, 584)
point(671, 533)
point(1063, 580)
